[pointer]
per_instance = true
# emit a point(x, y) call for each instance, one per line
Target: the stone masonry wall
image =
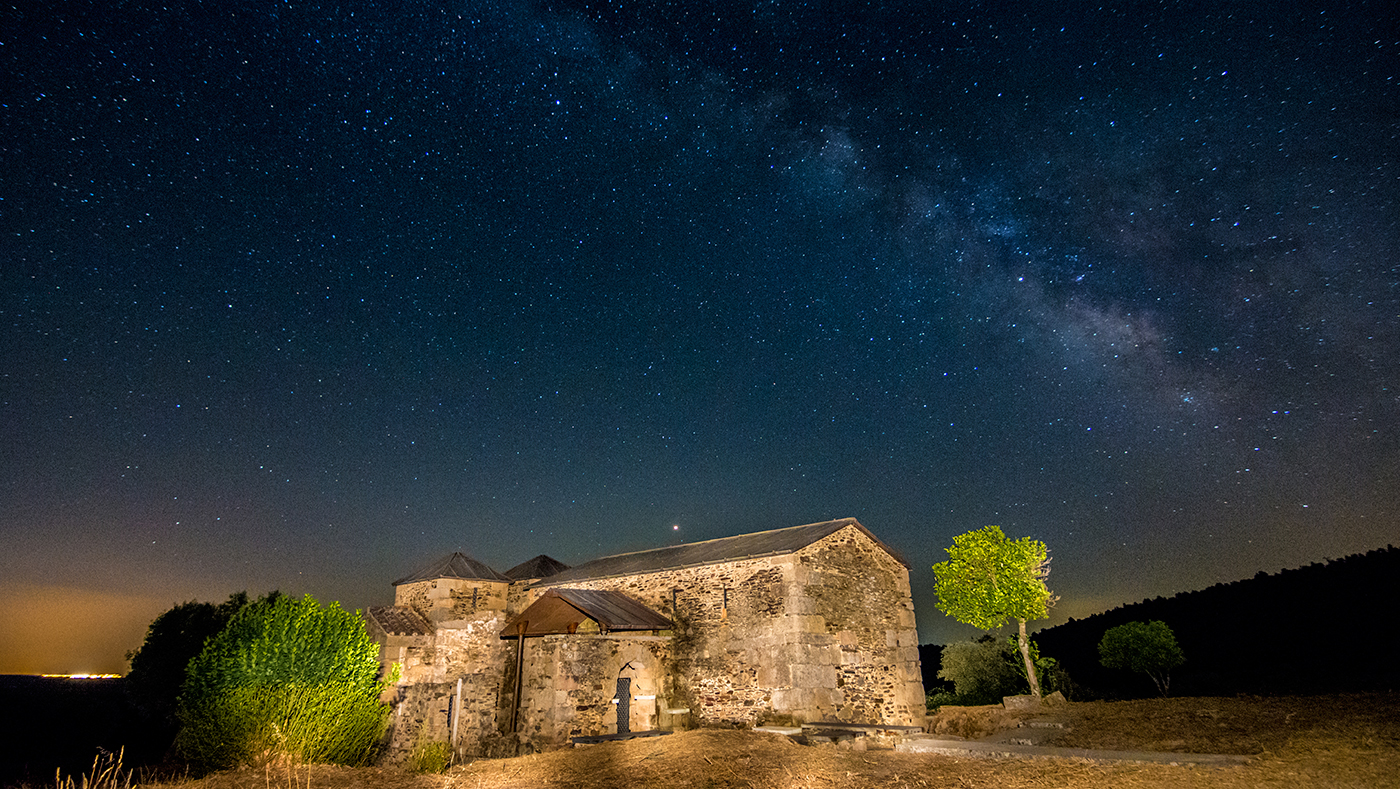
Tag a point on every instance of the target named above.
point(420, 716)
point(570, 682)
point(723, 613)
point(452, 598)
point(862, 597)
point(827, 632)
point(469, 650)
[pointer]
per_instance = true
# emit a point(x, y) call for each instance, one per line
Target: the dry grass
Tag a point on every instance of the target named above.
point(1326, 742)
point(106, 773)
point(974, 723)
point(1244, 725)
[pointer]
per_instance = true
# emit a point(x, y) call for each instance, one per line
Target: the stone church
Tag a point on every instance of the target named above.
point(790, 626)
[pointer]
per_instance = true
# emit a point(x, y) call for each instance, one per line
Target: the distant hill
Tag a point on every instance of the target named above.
point(1327, 627)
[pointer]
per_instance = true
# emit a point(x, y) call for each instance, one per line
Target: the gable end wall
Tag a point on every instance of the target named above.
point(859, 597)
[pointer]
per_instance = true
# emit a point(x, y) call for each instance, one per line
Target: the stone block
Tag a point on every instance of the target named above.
point(792, 699)
point(814, 676)
point(774, 673)
point(794, 653)
point(1016, 703)
point(827, 700)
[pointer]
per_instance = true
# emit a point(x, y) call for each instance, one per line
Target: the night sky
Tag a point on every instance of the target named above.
point(302, 297)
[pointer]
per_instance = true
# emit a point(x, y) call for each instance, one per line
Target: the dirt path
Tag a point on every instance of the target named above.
point(1316, 742)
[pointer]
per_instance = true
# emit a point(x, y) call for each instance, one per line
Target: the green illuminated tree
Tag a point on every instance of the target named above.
point(989, 579)
point(285, 678)
point(1148, 647)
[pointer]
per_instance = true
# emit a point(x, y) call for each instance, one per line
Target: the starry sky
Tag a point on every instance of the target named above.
point(303, 296)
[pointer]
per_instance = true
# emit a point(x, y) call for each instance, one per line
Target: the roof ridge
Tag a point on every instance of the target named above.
point(443, 568)
point(711, 540)
point(753, 545)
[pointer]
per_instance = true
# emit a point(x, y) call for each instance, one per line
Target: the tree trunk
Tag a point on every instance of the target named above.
point(1030, 666)
point(1163, 680)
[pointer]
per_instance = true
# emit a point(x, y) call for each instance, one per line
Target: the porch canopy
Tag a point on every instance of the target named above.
point(563, 610)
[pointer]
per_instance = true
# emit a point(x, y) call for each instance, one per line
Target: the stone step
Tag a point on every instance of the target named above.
point(993, 750)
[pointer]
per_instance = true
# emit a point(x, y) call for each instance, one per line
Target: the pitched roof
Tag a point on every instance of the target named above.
point(744, 546)
point(456, 565)
point(563, 610)
point(400, 620)
point(539, 567)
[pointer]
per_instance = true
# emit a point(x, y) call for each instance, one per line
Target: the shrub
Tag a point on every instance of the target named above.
point(1054, 677)
point(285, 680)
point(1048, 670)
point(982, 671)
point(1148, 647)
point(942, 698)
point(430, 757)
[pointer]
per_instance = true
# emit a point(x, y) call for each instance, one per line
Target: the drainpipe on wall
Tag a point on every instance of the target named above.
point(456, 715)
point(519, 671)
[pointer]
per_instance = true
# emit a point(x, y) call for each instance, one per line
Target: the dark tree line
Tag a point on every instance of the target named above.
point(1323, 628)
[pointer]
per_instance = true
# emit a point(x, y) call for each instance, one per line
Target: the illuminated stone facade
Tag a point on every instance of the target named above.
point(797, 625)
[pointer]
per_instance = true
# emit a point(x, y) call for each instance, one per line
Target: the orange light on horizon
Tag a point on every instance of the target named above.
point(69, 630)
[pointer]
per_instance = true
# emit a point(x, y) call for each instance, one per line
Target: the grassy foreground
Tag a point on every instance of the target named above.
point(1329, 741)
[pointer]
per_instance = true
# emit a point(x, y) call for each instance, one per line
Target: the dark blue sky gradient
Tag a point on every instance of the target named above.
point(301, 296)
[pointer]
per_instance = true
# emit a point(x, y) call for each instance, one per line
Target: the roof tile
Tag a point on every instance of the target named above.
point(455, 565)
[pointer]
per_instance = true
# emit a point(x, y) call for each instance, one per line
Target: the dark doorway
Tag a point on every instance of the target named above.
point(624, 705)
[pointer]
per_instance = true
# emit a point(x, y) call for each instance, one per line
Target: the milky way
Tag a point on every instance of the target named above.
point(302, 297)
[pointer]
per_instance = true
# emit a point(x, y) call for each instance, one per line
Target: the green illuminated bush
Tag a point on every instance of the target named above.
point(286, 680)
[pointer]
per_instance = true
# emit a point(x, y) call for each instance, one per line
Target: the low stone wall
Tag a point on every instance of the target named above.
point(469, 650)
point(419, 717)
